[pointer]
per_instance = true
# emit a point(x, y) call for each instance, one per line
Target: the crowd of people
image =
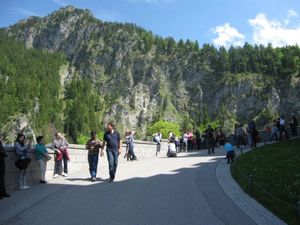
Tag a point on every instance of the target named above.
point(244, 135)
point(189, 141)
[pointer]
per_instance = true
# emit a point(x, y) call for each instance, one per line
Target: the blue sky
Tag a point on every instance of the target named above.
point(210, 21)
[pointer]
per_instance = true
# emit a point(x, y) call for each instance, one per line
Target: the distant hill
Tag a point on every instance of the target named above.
point(125, 73)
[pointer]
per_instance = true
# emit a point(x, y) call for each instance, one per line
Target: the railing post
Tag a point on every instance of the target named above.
point(298, 206)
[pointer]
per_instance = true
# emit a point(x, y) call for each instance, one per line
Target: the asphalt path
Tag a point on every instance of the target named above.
point(158, 191)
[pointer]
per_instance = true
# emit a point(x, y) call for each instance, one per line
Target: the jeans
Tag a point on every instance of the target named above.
point(43, 167)
point(112, 157)
point(93, 164)
point(131, 153)
point(58, 165)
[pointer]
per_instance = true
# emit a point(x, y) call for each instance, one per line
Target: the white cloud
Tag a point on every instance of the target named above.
point(26, 12)
point(227, 35)
point(292, 13)
point(276, 32)
point(61, 2)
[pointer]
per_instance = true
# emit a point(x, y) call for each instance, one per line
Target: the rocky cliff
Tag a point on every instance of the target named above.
point(143, 78)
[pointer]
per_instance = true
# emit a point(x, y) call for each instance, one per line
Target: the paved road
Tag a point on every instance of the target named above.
point(161, 191)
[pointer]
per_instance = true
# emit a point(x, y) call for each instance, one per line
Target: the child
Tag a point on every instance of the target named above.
point(230, 154)
point(130, 141)
point(93, 145)
point(42, 157)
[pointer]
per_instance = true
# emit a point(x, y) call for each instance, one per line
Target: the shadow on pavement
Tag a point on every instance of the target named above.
point(172, 197)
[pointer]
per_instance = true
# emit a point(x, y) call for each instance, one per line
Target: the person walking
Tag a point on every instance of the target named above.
point(210, 140)
point(185, 138)
point(190, 141)
point(294, 125)
point(93, 145)
point(282, 128)
point(3, 192)
point(23, 161)
point(198, 139)
point(60, 146)
point(42, 157)
point(130, 145)
point(113, 149)
point(157, 139)
point(240, 135)
point(253, 133)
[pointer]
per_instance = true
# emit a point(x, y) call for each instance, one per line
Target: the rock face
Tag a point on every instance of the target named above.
point(19, 124)
point(145, 84)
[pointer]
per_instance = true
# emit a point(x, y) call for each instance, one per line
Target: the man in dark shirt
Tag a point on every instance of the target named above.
point(3, 192)
point(113, 149)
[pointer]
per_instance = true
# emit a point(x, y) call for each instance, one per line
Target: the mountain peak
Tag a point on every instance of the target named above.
point(71, 10)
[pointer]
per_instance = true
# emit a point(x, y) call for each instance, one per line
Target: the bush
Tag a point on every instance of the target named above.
point(214, 124)
point(164, 127)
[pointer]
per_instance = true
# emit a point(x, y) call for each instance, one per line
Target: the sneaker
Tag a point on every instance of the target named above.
point(64, 174)
point(26, 187)
point(110, 180)
point(22, 187)
point(5, 195)
point(55, 176)
point(93, 179)
point(43, 182)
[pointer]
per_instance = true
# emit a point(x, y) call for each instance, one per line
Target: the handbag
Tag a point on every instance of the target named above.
point(22, 164)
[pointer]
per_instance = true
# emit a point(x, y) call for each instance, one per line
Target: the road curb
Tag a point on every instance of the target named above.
point(251, 207)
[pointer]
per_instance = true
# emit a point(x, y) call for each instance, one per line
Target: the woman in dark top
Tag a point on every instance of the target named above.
point(21, 151)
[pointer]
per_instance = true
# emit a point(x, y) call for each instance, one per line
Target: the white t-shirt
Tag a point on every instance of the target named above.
point(281, 121)
point(185, 138)
point(158, 137)
point(172, 147)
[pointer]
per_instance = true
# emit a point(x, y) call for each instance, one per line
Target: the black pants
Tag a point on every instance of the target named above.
point(131, 153)
point(59, 164)
point(282, 129)
point(190, 145)
point(230, 156)
point(2, 176)
point(198, 141)
point(294, 131)
point(211, 146)
point(240, 140)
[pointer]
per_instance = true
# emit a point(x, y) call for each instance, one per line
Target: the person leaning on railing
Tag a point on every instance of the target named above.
point(21, 148)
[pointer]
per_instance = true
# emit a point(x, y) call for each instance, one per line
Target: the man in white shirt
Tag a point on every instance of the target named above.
point(282, 128)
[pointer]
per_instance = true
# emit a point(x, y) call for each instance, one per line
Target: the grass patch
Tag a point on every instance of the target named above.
point(276, 172)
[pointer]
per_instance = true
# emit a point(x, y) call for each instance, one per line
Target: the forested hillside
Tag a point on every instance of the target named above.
point(110, 71)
